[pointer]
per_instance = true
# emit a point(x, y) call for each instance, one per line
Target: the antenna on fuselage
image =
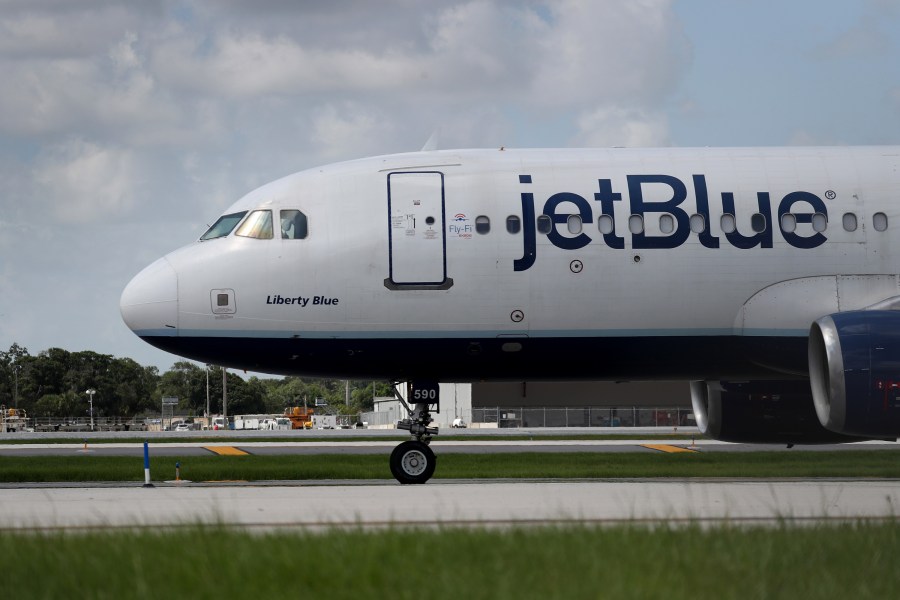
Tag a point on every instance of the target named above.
point(432, 143)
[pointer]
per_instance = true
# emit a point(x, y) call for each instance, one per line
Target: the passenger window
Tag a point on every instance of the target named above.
point(513, 224)
point(758, 222)
point(698, 223)
point(849, 221)
point(728, 224)
point(666, 223)
point(294, 225)
point(544, 224)
point(258, 224)
point(605, 224)
point(574, 224)
point(819, 222)
point(880, 221)
point(482, 225)
point(636, 224)
point(223, 226)
point(788, 223)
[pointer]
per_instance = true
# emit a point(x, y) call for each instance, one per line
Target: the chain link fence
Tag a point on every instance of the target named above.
point(584, 416)
point(81, 424)
point(501, 417)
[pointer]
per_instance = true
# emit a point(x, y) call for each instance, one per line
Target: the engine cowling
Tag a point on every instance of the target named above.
point(854, 369)
point(760, 412)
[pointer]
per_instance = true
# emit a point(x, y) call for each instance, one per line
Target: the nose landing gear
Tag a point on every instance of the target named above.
point(413, 461)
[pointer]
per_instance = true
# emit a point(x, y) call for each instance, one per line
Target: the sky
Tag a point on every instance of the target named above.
point(127, 127)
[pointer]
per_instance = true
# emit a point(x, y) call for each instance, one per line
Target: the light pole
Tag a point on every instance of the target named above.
point(207, 397)
point(225, 397)
point(90, 392)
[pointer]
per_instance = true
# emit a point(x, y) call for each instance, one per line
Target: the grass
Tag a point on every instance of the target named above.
point(827, 561)
point(784, 463)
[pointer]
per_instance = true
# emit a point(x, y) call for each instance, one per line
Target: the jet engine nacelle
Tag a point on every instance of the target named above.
point(854, 369)
point(760, 412)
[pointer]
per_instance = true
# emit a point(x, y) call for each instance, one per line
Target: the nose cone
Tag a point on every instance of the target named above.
point(149, 303)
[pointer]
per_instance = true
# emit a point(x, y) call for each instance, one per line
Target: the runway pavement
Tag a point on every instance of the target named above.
point(274, 505)
point(351, 446)
point(444, 503)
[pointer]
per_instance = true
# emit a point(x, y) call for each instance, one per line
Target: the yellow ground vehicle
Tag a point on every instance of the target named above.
point(300, 416)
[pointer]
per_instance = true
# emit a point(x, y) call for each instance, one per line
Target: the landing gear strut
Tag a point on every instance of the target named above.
point(413, 461)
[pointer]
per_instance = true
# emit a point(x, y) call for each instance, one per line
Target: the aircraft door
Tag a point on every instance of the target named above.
point(416, 230)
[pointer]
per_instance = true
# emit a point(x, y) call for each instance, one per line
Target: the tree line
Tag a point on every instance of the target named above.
point(54, 383)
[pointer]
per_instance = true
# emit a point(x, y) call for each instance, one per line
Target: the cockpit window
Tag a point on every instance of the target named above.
point(223, 226)
point(294, 225)
point(257, 225)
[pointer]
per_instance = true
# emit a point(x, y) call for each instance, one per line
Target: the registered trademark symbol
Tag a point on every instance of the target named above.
point(576, 266)
point(517, 316)
point(830, 194)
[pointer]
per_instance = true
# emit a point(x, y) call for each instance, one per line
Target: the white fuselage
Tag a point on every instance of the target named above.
point(442, 263)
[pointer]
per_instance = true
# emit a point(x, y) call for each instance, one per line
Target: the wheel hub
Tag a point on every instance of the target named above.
point(414, 463)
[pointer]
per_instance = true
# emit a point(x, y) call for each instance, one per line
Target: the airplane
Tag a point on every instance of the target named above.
point(766, 277)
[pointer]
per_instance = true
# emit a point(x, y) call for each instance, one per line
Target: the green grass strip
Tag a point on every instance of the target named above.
point(786, 463)
point(828, 561)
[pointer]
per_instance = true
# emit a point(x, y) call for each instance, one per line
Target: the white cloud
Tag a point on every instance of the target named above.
point(868, 38)
point(614, 126)
point(41, 98)
point(123, 53)
point(83, 182)
point(610, 52)
point(482, 48)
point(111, 95)
point(588, 52)
point(336, 130)
point(69, 29)
point(247, 65)
point(864, 39)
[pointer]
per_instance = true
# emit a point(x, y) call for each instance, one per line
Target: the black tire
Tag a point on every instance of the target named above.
point(413, 462)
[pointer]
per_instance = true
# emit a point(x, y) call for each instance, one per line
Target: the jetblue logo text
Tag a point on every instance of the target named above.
point(803, 205)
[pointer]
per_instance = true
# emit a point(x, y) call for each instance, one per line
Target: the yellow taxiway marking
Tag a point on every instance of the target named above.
point(667, 448)
point(226, 450)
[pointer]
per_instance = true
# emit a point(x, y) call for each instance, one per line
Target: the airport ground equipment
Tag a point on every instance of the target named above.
point(300, 416)
point(13, 420)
